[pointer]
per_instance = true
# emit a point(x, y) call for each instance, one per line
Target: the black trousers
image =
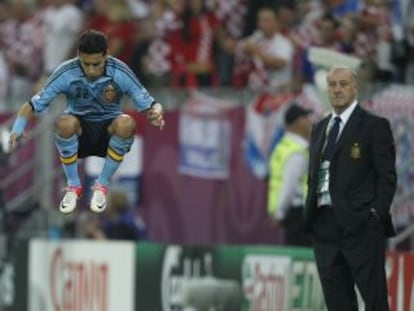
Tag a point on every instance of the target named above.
point(294, 228)
point(347, 260)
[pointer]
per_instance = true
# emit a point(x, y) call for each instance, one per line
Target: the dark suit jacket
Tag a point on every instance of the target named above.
point(362, 171)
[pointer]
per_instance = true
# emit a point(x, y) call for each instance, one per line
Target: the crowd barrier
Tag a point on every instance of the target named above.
point(82, 275)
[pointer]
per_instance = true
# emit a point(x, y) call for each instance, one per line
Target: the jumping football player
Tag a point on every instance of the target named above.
point(93, 123)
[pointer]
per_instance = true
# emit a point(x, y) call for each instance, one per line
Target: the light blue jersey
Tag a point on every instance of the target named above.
point(93, 100)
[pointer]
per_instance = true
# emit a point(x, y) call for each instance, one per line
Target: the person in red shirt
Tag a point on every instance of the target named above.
point(192, 47)
point(115, 21)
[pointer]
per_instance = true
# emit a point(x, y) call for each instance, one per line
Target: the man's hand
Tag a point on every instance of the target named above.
point(155, 115)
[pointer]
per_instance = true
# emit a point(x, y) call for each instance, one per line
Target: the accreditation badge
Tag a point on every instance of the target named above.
point(323, 178)
point(323, 184)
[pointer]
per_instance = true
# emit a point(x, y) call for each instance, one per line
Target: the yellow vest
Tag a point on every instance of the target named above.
point(282, 152)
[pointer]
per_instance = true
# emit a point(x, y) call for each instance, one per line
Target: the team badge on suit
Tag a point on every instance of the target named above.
point(355, 151)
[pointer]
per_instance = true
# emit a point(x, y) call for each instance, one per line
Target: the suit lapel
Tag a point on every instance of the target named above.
point(320, 140)
point(350, 127)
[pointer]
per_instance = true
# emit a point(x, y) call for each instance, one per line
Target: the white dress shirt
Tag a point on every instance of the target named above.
point(345, 115)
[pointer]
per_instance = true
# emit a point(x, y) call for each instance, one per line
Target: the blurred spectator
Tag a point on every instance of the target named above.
point(62, 22)
point(288, 177)
point(399, 46)
point(409, 31)
point(142, 41)
point(187, 43)
point(115, 20)
point(192, 47)
point(118, 221)
point(286, 12)
point(231, 15)
point(384, 67)
point(4, 18)
point(4, 72)
point(309, 10)
point(342, 8)
point(374, 40)
point(253, 7)
point(85, 5)
point(321, 32)
point(139, 8)
point(22, 36)
point(166, 23)
point(4, 78)
point(266, 55)
point(348, 34)
point(288, 21)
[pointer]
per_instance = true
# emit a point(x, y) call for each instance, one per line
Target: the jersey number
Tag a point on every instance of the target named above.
point(81, 93)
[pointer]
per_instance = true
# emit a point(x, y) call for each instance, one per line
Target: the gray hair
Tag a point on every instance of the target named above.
point(353, 71)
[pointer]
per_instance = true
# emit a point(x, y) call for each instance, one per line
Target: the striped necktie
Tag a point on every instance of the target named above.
point(332, 137)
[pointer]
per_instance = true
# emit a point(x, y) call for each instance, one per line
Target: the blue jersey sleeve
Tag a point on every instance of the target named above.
point(133, 88)
point(55, 85)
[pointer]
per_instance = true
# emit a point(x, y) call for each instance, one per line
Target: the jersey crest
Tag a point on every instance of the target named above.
point(109, 93)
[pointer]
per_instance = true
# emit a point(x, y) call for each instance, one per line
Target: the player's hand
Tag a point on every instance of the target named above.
point(14, 140)
point(155, 115)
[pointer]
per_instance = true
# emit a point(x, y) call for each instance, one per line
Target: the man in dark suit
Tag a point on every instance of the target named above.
point(351, 184)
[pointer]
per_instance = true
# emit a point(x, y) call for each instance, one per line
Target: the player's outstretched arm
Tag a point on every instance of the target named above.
point(156, 115)
point(18, 130)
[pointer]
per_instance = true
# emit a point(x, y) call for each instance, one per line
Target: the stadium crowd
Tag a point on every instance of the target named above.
point(261, 44)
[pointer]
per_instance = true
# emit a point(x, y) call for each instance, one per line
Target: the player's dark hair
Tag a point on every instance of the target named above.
point(92, 41)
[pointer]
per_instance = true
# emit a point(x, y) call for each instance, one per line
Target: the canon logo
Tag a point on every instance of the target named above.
point(78, 285)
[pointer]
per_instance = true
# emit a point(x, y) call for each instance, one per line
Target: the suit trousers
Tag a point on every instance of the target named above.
point(347, 259)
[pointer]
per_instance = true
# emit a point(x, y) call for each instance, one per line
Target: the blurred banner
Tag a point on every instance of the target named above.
point(81, 276)
point(175, 278)
point(400, 275)
point(204, 138)
point(184, 209)
point(247, 278)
